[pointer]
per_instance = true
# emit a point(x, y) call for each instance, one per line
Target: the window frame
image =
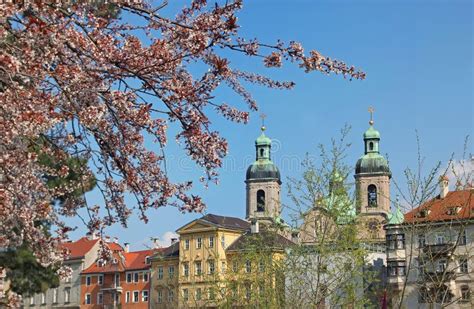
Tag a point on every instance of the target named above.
point(88, 280)
point(100, 279)
point(100, 296)
point(160, 273)
point(211, 241)
point(198, 242)
point(145, 296)
point(88, 299)
point(136, 296)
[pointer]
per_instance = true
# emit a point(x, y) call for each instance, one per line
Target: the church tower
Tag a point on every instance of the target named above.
point(263, 183)
point(372, 176)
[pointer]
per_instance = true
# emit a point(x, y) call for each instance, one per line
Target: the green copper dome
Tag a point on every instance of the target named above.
point(371, 133)
point(396, 217)
point(372, 162)
point(263, 140)
point(263, 168)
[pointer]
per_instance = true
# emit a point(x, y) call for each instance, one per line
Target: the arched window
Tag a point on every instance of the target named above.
point(260, 200)
point(371, 146)
point(372, 195)
point(261, 152)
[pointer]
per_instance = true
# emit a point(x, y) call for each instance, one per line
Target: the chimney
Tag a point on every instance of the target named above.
point(156, 243)
point(444, 186)
point(174, 240)
point(127, 246)
point(254, 228)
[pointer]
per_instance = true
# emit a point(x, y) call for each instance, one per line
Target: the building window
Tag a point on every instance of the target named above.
point(248, 292)
point(147, 260)
point(211, 266)
point(144, 296)
point(463, 267)
point(223, 241)
point(211, 241)
point(32, 300)
point(185, 294)
point(465, 293)
point(67, 295)
point(117, 298)
point(198, 268)
point(396, 268)
point(396, 241)
point(186, 244)
point(235, 266)
point(248, 266)
point(100, 279)
point(198, 294)
point(100, 298)
point(421, 240)
point(129, 277)
point(186, 269)
point(440, 239)
point(170, 296)
point(170, 272)
point(371, 146)
point(88, 280)
point(159, 297)
point(441, 266)
point(261, 266)
point(135, 277)
point(55, 296)
point(463, 238)
point(117, 280)
point(160, 272)
point(135, 296)
point(145, 277)
point(127, 297)
point(372, 195)
point(198, 243)
point(212, 294)
point(423, 296)
point(88, 299)
point(260, 200)
point(223, 267)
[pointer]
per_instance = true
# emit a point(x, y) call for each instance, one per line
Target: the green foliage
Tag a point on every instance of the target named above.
point(27, 276)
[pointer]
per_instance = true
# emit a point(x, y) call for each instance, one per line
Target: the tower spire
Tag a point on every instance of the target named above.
point(371, 111)
point(263, 116)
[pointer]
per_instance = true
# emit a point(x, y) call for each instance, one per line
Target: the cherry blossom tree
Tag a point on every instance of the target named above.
point(80, 81)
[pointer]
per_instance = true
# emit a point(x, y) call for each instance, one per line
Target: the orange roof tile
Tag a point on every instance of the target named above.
point(455, 206)
point(123, 261)
point(78, 249)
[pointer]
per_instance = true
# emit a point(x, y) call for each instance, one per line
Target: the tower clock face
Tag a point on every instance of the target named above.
point(373, 225)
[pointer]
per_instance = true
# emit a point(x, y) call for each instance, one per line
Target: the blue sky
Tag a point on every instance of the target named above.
point(418, 56)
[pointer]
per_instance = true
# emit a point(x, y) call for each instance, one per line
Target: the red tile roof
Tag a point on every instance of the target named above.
point(124, 261)
point(455, 206)
point(78, 249)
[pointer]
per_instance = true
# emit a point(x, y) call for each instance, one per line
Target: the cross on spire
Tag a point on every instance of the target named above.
point(263, 116)
point(371, 111)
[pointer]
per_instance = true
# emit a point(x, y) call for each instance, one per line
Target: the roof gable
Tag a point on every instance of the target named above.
point(211, 220)
point(457, 205)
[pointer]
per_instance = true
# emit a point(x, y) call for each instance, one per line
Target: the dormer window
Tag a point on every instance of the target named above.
point(453, 210)
point(147, 260)
point(423, 213)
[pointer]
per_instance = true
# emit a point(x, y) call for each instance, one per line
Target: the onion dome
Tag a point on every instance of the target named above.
point(372, 163)
point(263, 168)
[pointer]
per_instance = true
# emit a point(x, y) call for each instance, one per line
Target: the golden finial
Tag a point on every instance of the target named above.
point(263, 116)
point(371, 111)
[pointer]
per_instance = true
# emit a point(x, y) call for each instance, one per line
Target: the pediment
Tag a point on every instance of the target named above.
point(196, 226)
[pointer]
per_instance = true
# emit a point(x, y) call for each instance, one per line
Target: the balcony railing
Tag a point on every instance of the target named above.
point(111, 288)
point(438, 250)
